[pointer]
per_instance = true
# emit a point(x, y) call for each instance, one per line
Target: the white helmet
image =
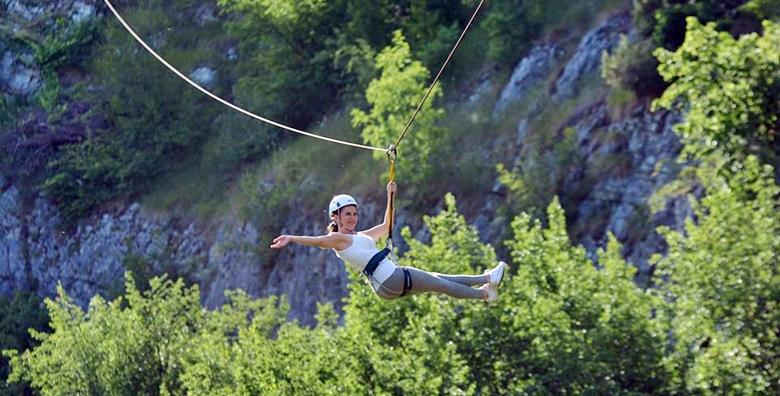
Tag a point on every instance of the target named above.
point(340, 201)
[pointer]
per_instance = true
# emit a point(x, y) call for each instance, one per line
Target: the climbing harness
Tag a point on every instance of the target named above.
point(407, 282)
point(374, 262)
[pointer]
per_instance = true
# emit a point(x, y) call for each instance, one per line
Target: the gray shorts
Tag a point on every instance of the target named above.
point(393, 286)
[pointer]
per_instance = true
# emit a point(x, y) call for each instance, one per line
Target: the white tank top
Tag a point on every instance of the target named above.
point(359, 253)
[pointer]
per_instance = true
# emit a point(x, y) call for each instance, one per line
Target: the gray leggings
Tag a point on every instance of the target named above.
point(458, 286)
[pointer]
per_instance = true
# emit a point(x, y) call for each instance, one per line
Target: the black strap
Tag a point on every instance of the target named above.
point(374, 262)
point(407, 281)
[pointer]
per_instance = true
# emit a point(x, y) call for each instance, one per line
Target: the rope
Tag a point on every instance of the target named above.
point(225, 102)
point(391, 157)
point(391, 152)
point(455, 47)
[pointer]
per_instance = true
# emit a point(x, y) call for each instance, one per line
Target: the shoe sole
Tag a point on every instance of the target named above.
point(504, 268)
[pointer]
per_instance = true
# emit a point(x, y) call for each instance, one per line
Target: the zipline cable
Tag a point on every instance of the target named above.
point(225, 102)
point(392, 151)
point(455, 47)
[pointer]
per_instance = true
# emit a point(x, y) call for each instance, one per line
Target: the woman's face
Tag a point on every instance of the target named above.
point(347, 219)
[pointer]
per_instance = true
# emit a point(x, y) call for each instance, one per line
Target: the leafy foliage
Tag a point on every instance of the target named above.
point(661, 23)
point(513, 25)
point(394, 96)
point(561, 326)
point(18, 314)
point(764, 9)
point(730, 88)
point(724, 282)
point(153, 122)
point(664, 20)
point(532, 186)
point(132, 345)
point(63, 43)
point(633, 67)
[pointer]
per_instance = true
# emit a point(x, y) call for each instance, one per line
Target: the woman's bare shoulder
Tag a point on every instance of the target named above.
point(340, 241)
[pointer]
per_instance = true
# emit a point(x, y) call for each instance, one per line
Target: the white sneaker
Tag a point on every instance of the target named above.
point(496, 275)
point(492, 293)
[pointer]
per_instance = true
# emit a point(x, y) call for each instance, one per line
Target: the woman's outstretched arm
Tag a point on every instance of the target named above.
point(381, 230)
point(330, 241)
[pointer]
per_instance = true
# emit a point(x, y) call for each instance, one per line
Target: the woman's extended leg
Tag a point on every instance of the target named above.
point(423, 281)
point(468, 280)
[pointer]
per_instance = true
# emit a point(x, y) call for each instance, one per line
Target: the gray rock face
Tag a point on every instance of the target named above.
point(642, 149)
point(92, 259)
point(587, 58)
point(206, 13)
point(18, 74)
point(12, 270)
point(24, 8)
point(82, 12)
point(204, 76)
point(530, 70)
point(16, 77)
point(77, 10)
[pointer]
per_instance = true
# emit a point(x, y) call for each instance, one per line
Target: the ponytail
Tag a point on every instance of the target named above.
point(333, 227)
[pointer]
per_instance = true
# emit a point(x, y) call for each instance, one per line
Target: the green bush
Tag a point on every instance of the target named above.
point(18, 314)
point(154, 119)
point(562, 325)
point(534, 183)
point(132, 345)
point(512, 26)
point(724, 279)
point(664, 20)
point(633, 67)
point(393, 98)
point(10, 108)
point(763, 9)
point(62, 43)
point(729, 89)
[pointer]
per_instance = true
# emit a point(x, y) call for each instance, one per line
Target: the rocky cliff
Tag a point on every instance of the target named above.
point(35, 253)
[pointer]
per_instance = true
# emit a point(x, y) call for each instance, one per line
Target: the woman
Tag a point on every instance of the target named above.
point(358, 249)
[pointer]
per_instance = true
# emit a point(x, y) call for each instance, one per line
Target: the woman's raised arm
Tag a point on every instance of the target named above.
point(383, 229)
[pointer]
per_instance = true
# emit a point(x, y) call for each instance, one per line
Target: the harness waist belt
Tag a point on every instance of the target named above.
point(374, 262)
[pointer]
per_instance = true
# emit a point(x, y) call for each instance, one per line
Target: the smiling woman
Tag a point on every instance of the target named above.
point(387, 279)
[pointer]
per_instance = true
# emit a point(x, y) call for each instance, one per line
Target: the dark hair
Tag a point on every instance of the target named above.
point(333, 227)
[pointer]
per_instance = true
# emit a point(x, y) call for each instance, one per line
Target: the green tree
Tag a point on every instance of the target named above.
point(132, 345)
point(729, 89)
point(18, 314)
point(764, 9)
point(393, 97)
point(567, 327)
point(664, 20)
point(632, 66)
point(724, 283)
point(285, 70)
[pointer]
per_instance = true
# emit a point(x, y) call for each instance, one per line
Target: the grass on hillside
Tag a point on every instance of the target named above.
point(315, 168)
